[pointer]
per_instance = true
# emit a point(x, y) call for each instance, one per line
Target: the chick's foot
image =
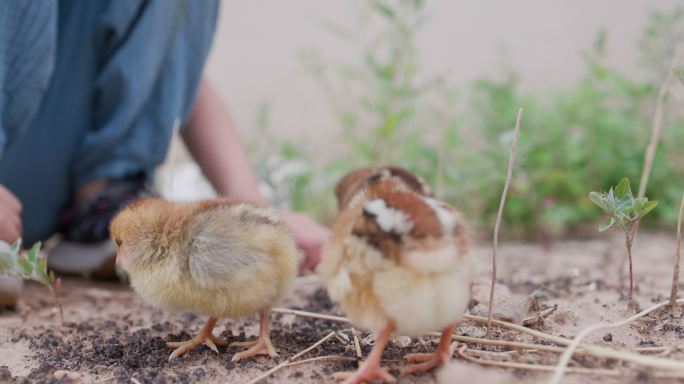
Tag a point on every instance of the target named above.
point(424, 362)
point(204, 337)
point(261, 346)
point(371, 370)
point(366, 374)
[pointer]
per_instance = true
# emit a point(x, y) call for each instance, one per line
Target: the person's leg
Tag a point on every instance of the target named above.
point(124, 72)
point(36, 168)
point(28, 32)
point(148, 77)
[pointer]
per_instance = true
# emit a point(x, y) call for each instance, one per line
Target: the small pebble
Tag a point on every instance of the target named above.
point(608, 337)
point(198, 373)
point(5, 374)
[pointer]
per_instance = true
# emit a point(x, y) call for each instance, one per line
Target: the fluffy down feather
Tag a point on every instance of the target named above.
point(398, 255)
point(216, 258)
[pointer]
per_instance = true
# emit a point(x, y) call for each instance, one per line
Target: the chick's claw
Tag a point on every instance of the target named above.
point(424, 362)
point(211, 342)
point(204, 337)
point(183, 347)
point(262, 346)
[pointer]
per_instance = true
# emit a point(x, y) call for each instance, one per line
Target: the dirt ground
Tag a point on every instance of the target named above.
point(111, 335)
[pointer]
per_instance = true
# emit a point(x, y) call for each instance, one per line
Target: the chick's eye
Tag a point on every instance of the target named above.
point(118, 242)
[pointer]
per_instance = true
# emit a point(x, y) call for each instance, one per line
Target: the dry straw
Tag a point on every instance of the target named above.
point(499, 216)
point(675, 278)
point(291, 360)
point(673, 367)
point(653, 362)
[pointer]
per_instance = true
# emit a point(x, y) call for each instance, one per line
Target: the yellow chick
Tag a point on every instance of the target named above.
point(219, 258)
point(397, 261)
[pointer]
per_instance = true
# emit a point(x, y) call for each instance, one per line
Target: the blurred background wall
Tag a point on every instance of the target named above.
point(254, 57)
point(319, 87)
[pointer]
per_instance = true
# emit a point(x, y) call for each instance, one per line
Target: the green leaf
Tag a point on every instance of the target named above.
point(648, 206)
point(605, 227)
point(26, 267)
point(51, 277)
point(32, 254)
point(623, 190)
point(597, 199)
point(384, 9)
point(14, 249)
point(42, 266)
point(6, 262)
point(629, 206)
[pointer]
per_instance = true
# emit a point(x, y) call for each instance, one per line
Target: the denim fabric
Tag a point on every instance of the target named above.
point(27, 56)
point(123, 71)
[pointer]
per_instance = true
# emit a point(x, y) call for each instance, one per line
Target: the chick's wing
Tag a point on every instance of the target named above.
point(226, 245)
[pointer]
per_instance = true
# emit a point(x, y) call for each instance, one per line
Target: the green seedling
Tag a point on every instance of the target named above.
point(625, 210)
point(30, 265)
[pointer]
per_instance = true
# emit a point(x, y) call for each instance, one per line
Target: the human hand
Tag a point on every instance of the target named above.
point(10, 216)
point(310, 237)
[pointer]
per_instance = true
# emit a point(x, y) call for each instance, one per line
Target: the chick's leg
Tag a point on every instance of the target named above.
point(261, 346)
point(426, 361)
point(370, 370)
point(204, 337)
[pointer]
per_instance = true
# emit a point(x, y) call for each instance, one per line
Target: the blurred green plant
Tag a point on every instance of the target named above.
point(389, 109)
point(626, 210)
point(590, 135)
point(29, 265)
point(289, 177)
point(679, 73)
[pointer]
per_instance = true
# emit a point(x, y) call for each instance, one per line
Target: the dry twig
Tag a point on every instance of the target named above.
point(318, 358)
point(539, 367)
point(671, 349)
point(514, 345)
point(313, 315)
point(539, 319)
point(499, 215)
point(643, 360)
point(519, 328)
point(657, 128)
point(357, 346)
point(594, 350)
point(675, 278)
point(533, 367)
point(290, 359)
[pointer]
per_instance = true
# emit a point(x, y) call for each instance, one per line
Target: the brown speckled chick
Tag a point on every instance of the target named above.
point(218, 258)
point(397, 261)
